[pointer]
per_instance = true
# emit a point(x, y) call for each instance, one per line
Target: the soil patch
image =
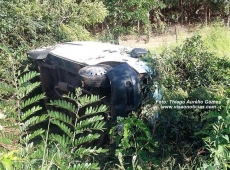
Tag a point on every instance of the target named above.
point(174, 34)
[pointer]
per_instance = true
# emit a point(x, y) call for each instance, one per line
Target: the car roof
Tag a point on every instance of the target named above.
point(90, 53)
point(82, 51)
point(87, 51)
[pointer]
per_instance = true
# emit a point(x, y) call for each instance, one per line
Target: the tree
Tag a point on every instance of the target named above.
point(35, 23)
point(126, 14)
point(30, 24)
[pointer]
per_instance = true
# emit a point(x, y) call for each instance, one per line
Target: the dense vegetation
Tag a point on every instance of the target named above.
point(198, 69)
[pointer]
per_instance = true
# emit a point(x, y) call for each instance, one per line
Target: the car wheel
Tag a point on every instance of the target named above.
point(95, 76)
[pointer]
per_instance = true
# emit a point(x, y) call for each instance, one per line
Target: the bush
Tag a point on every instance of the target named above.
point(191, 72)
point(135, 146)
point(26, 25)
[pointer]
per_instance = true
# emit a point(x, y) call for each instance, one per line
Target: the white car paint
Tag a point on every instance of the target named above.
point(92, 53)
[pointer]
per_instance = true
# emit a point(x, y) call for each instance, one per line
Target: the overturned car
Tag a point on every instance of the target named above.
point(113, 71)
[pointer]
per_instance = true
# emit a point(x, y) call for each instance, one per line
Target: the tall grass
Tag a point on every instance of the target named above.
point(217, 38)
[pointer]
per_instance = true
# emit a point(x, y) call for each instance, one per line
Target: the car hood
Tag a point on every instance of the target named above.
point(91, 53)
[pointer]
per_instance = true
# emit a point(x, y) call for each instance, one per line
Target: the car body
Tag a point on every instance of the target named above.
point(109, 70)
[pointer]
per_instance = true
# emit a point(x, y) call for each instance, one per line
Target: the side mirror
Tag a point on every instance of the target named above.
point(138, 52)
point(40, 53)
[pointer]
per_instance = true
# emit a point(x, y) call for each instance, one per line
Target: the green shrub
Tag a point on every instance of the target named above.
point(26, 25)
point(135, 146)
point(70, 147)
point(28, 144)
point(190, 72)
point(217, 133)
point(191, 65)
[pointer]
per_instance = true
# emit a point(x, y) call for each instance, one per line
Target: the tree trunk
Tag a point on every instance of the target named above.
point(182, 11)
point(149, 28)
point(115, 30)
point(206, 14)
point(209, 14)
point(176, 33)
point(138, 27)
point(228, 21)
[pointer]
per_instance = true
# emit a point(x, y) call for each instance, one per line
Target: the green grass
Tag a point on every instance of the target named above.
point(215, 36)
point(217, 39)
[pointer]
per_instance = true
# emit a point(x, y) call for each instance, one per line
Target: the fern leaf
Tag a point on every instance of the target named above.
point(64, 104)
point(60, 116)
point(86, 100)
point(32, 100)
point(8, 123)
point(25, 90)
point(85, 166)
point(33, 121)
point(8, 135)
point(86, 139)
point(6, 138)
point(30, 112)
point(32, 136)
point(71, 96)
point(64, 140)
point(90, 129)
point(28, 76)
point(98, 125)
point(80, 152)
point(38, 152)
point(93, 110)
point(6, 88)
point(93, 123)
point(63, 127)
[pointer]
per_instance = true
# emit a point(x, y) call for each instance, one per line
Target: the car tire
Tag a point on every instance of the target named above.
point(95, 75)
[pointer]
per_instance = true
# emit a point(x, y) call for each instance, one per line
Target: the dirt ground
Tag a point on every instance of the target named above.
point(173, 35)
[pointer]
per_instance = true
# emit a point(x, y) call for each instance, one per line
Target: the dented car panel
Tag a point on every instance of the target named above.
point(125, 89)
point(113, 71)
